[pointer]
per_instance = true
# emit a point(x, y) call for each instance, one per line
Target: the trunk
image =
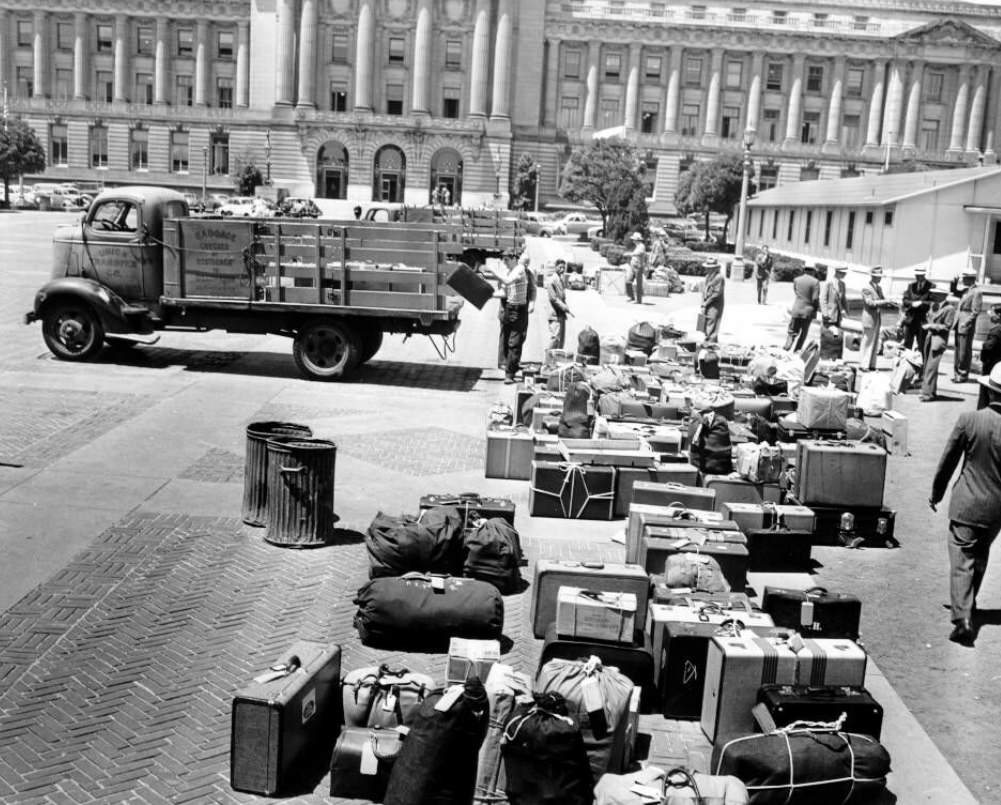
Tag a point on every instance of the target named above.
point(6, 193)
point(726, 228)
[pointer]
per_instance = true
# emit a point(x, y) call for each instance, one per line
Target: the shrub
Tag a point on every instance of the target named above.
point(614, 254)
point(703, 246)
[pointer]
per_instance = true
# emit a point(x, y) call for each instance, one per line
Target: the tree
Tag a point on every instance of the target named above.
point(711, 187)
point(248, 178)
point(525, 180)
point(608, 174)
point(20, 153)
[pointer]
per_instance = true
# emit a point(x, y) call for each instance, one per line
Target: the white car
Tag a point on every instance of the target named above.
point(575, 223)
point(247, 207)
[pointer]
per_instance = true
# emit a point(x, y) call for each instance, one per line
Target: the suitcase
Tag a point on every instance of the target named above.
point(354, 748)
point(731, 556)
point(734, 489)
point(873, 527)
point(550, 575)
point(840, 473)
point(789, 703)
point(752, 404)
point(763, 515)
point(777, 548)
point(789, 430)
point(814, 612)
point(641, 515)
point(662, 594)
point(829, 661)
point(470, 285)
point(283, 716)
point(782, 404)
point(472, 505)
point(823, 408)
point(572, 491)
point(636, 661)
point(509, 453)
point(627, 477)
point(667, 494)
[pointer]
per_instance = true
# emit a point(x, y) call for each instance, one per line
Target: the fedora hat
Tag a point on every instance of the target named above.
point(712, 262)
point(877, 271)
point(921, 271)
point(992, 382)
point(636, 236)
point(809, 267)
point(840, 269)
point(969, 272)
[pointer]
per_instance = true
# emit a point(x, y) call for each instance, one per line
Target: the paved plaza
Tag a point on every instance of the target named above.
point(135, 602)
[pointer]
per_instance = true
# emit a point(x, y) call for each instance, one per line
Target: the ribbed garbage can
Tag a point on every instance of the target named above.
point(255, 473)
point(300, 492)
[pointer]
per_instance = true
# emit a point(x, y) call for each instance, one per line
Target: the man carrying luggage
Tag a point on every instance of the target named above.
point(516, 304)
point(834, 300)
point(806, 288)
point(712, 298)
point(975, 505)
point(558, 307)
point(937, 327)
point(971, 302)
point(916, 304)
point(763, 263)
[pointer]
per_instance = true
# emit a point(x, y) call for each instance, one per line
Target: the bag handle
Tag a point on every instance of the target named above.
point(815, 591)
point(375, 736)
point(681, 778)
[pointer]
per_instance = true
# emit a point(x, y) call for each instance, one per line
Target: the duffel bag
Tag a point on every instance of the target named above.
point(545, 762)
point(806, 766)
point(378, 696)
point(423, 612)
point(642, 336)
point(588, 346)
point(446, 525)
point(564, 377)
point(493, 554)
point(505, 687)
point(362, 762)
point(604, 726)
point(576, 421)
point(675, 787)
point(404, 544)
point(624, 406)
point(610, 378)
point(695, 571)
point(709, 444)
point(437, 764)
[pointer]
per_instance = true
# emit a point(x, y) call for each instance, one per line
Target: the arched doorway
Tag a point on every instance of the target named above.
point(332, 170)
point(446, 172)
point(389, 175)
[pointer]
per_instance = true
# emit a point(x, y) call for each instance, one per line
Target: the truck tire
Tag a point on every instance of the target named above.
point(72, 330)
point(326, 350)
point(370, 340)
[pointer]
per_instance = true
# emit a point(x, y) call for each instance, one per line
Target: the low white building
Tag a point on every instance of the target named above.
point(946, 220)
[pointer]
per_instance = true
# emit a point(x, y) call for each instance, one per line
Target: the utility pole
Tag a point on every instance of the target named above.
point(538, 170)
point(267, 157)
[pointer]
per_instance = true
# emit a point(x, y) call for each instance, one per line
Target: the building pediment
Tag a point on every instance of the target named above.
point(950, 32)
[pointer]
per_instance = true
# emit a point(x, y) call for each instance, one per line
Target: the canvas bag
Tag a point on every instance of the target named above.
point(642, 336)
point(654, 786)
point(759, 463)
point(709, 447)
point(431, 543)
point(380, 696)
point(576, 420)
point(695, 571)
point(493, 554)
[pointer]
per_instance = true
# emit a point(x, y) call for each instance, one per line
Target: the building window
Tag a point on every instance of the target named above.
point(809, 173)
point(179, 152)
point(738, 15)
point(779, 17)
point(860, 23)
point(828, 224)
point(338, 96)
point(185, 43)
point(224, 93)
point(25, 33)
point(396, 49)
point(933, 87)
point(65, 35)
point(693, 71)
point(851, 126)
point(219, 154)
point(697, 13)
point(569, 113)
point(734, 73)
point(689, 119)
point(450, 102)
point(58, 145)
point(453, 54)
point(792, 218)
point(104, 38)
point(658, 9)
point(773, 76)
point(775, 224)
point(648, 117)
point(771, 118)
point(339, 48)
point(144, 40)
point(730, 124)
point(613, 66)
point(185, 93)
point(652, 67)
point(888, 218)
point(394, 99)
point(810, 129)
point(105, 87)
point(929, 135)
point(64, 84)
point(807, 226)
point(868, 217)
point(98, 147)
point(850, 234)
point(854, 81)
point(139, 150)
point(224, 44)
point(610, 112)
point(571, 64)
point(814, 78)
point(768, 177)
point(144, 88)
point(820, 20)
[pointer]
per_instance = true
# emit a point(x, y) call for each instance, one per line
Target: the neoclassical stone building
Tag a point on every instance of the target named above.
point(388, 99)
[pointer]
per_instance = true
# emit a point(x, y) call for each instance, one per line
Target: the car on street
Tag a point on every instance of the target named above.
point(294, 207)
point(540, 223)
point(247, 207)
point(575, 223)
point(23, 200)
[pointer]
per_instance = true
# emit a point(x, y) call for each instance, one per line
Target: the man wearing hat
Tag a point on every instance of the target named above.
point(971, 302)
point(915, 307)
point(637, 268)
point(712, 298)
point(834, 299)
point(938, 327)
point(806, 288)
point(975, 505)
point(873, 304)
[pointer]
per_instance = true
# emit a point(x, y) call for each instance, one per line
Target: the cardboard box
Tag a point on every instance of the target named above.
point(595, 615)
point(469, 658)
point(572, 491)
point(823, 408)
point(509, 454)
point(895, 431)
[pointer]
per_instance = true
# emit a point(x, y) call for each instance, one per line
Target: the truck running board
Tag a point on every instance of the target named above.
point(145, 340)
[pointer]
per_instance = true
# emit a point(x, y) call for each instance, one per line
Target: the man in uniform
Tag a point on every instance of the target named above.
point(873, 304)
point(916, 304)
point(712, 298)
point(806, 288)
point(971, 302)
point(558, 308)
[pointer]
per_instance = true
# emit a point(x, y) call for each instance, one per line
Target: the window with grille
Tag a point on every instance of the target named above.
point(224, 44)
point(569, 117)
point(219, 154)
point(571, 64)
point(697, 13)
point(693, 71)
point(63, 89)
point(144, 40)
point(185, 42)
point(648, 117)
point(773, 76)
point(179, 152)
point(820, 20)
point(104, 38)
point(453, 54)
point(689, 119)
point(224, 93)
point(396, 50)
point(139, 149)
point(734, 73)
point(652, 67)
point(98, 147)
point(58, 145)
point(339, 48)
point(780, 17)
point(338, 96)
point(105, 87)
point(933, 86)
point(394, 99)
point(860, 23)
point(768, 177)
point(185, 90)
point(814, 78)
point(144, 88)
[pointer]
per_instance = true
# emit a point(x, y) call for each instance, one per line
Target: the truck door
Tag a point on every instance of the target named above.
point(114, 247)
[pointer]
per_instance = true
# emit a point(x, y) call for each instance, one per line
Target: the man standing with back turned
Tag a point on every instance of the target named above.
point(806, 288)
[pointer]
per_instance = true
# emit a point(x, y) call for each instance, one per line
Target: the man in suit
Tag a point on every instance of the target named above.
point(763, 263)
point(971, 302)
point(916, 304)
point(938, 327)
point(990, 352)
point(873, 305)
point(558, 307)
point(975, 505)
point(834, 299)
point(712, 297)
point(806, 288)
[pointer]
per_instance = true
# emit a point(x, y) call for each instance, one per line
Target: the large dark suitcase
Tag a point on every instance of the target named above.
point(789, 703)
point(636, 661)
point(350, 774)
point(470, 285)
point(285, 715)
point(814, 612)
point(873, 528)
point(472, 506)
point(423, 612)
point(778, 548)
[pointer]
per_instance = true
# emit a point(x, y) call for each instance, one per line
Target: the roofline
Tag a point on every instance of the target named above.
point(985, 175)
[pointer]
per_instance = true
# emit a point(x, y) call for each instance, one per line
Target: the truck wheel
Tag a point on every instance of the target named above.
point(371, 341)
point(326, 350)
point(72, 331)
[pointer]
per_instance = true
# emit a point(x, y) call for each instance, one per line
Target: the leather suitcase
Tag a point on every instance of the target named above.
point(789, 430)
point(814, 612)
point(662, 594)
point(840, 473)
point(472, 505)
point(732, 557)
point(763, 515)
point(734, 489)
point(782, 405)
point(642, 514)
point(659, 473)
point(752, 404)
point(776, 549)
point(666, 494)
point(285, 715)
point(346, 776)
point(550, 575)
point(470, 285)
point(789, 703)
point(572, 491)
point(873, 526)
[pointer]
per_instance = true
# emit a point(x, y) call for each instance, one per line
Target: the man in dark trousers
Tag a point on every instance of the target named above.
point(971, 302)
point(990, 352)
point(834, 300)
point(712, 298)
point(806, 288)
point(763, 263)
point(975, 505)
point(558, 307)
point(915, 307)
point(517, 301)
point(938, 327)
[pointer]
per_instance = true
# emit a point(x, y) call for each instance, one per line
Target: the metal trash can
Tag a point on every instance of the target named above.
point(255, 473)
point(300, 492)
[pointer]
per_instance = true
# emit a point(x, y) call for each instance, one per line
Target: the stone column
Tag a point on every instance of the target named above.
point(754, 91)
point(959, 110)
point(673, 94)
point(894, 105)
point(875, 104)
point(501, 106)
point(713, 93)
point(243, 63)
point(833, 138)
point(480, 67)
point(633, 86)
point(285, 54)
point(308, 24)
point(41, 54)
point(80, 52)
point(160, 60)
point(420, 99)
point(591, 102)
point(121, 74)
point(551, 102)
point(913, 107)
point(795, 109)
point(976, 127)
point(202, 63)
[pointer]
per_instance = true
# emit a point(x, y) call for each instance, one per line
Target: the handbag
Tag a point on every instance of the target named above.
point(700, 322)
point(382, 697)
point(362, 761)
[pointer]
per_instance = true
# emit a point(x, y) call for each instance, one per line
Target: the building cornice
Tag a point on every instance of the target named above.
point(184, 9)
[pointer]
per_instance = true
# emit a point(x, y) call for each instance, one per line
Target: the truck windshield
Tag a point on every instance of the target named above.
point(118, 216)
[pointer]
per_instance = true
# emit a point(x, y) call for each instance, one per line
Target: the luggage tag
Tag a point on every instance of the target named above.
point(438, 584)
point(647, 793)
point(445, 703)
point(369, 762)
point(806, 614)
point(594, 703)
point(389, 703)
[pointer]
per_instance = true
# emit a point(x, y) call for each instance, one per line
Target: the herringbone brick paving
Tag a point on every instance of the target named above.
point(118, 674)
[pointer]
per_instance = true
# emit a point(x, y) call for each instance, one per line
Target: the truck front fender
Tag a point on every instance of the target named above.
point(109, 306)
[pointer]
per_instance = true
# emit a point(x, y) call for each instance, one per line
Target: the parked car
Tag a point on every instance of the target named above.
point(240, 207)
point(540, 223)
point(574, 223)
point(23, 200)
point(596, 231)
point(294, 207)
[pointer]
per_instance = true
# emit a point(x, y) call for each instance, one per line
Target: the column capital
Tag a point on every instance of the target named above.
point(40, 15)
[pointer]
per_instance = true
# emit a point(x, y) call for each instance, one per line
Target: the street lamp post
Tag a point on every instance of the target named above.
point(737, 266)
point(267, 157)
point(205, 175)
point(538, 168)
